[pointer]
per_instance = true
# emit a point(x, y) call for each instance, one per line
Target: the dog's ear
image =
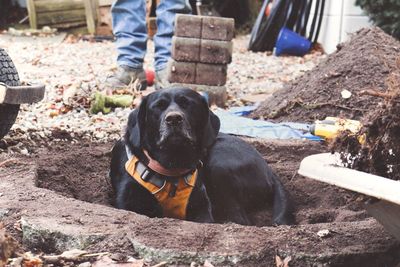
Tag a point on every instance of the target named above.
point(136, 122)
point(211, 128)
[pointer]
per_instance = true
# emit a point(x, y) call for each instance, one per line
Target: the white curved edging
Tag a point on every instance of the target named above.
point(325, 168)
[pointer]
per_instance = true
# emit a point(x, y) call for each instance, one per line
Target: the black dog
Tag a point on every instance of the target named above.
point(172, 148)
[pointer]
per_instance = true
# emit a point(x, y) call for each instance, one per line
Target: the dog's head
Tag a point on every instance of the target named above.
point(174, 125)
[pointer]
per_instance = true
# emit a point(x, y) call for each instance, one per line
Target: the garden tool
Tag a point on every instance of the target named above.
point(332, 126)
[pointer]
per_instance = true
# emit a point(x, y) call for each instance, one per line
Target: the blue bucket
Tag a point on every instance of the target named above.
point(291, 43)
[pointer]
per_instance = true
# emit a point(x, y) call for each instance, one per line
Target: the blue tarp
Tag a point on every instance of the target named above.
point(232, 122)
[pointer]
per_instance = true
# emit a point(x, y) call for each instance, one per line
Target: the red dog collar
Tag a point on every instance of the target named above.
point(157, 167)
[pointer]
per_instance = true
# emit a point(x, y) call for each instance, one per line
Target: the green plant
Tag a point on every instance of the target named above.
point(384, 13)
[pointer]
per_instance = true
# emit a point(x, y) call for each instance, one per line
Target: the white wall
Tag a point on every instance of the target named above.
point(341, 18)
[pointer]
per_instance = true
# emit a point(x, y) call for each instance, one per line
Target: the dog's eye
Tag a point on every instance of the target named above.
point(161, 104)
point(183, 102)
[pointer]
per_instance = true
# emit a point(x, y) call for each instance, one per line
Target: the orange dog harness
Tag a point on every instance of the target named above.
point(172, 193)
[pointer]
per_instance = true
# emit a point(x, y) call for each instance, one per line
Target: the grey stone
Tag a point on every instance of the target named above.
point(188, 26)
point(216, 95)
point(211, 74)
point(50, 236)
point(181, 72)
point(216, 52)
point(216, 28)
point(4, 213)
point(185, 49)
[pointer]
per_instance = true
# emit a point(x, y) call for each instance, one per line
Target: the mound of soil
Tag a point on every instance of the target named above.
point(380, 154)
point(360, 64)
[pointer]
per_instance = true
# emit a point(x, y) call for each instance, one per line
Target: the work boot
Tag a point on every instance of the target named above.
point(127, 77)
point(161, 80)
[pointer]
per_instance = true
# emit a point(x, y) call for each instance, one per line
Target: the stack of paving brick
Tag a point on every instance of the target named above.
point(201, 50)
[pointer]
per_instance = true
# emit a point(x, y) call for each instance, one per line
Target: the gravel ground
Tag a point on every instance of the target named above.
point(73, 69)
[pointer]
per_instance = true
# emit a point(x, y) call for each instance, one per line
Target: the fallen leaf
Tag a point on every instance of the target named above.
point(106, 261)
point(69, 93)
point(208, 264)
point(282, 263)
point(7, 246)
point(73, 254)
point(161, 264)
point(135, 262)
point(30, 260)
point(324, 233)
point(345, 94)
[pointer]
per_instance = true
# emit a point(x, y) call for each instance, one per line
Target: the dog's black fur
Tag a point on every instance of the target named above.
point(178, 130)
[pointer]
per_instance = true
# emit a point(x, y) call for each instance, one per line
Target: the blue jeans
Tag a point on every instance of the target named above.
point(129, 27)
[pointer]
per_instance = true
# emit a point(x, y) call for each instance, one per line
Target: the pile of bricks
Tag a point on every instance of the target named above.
point(201, 50)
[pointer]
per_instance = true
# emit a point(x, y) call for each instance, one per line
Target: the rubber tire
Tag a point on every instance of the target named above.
point(9, 76)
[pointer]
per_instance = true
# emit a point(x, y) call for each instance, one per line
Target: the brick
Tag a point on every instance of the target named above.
point(188, 26)
point(215, 28)
point(210, 74)
point(217, 95)
point(181, 72)
point(216, 52)
point(185, 49)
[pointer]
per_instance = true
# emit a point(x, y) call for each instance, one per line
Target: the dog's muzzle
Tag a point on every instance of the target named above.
point(175, 125)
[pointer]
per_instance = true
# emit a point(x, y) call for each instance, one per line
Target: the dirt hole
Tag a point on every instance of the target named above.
point(81, 171)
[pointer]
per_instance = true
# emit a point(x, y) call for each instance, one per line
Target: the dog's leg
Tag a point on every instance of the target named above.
point(282, 207)
point(236, 213)
point(199, 207)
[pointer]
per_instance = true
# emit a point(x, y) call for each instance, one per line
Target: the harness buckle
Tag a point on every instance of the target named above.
point(145, 174)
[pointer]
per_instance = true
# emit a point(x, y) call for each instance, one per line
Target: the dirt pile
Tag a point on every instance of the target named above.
point(380, 154)
point(360, 64)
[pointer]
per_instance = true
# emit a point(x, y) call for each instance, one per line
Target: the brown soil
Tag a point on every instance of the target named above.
point(360, 64)
point(380, 154)
point(80, 171)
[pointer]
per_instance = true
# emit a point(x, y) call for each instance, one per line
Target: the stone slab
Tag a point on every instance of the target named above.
point(211, 74)
point(188, 26)
point(185, 49)
point(215, 52)
point(181, 72)
point(204, 27)
point(215, 28)
point(216, 95)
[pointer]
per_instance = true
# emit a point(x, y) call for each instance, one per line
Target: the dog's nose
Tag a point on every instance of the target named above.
point(174, 118)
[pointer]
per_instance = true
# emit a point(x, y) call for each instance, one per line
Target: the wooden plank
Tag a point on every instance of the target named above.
point(32, 14)
point(90, 16)
point(388, 214)
point(105, 2)
point(55, 17)
point(325, 168)
point(23, 94)
point(71, 24)
point(57, 5)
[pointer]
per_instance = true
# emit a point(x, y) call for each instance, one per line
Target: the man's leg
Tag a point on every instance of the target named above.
point(129, 27)
point(166, 11)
